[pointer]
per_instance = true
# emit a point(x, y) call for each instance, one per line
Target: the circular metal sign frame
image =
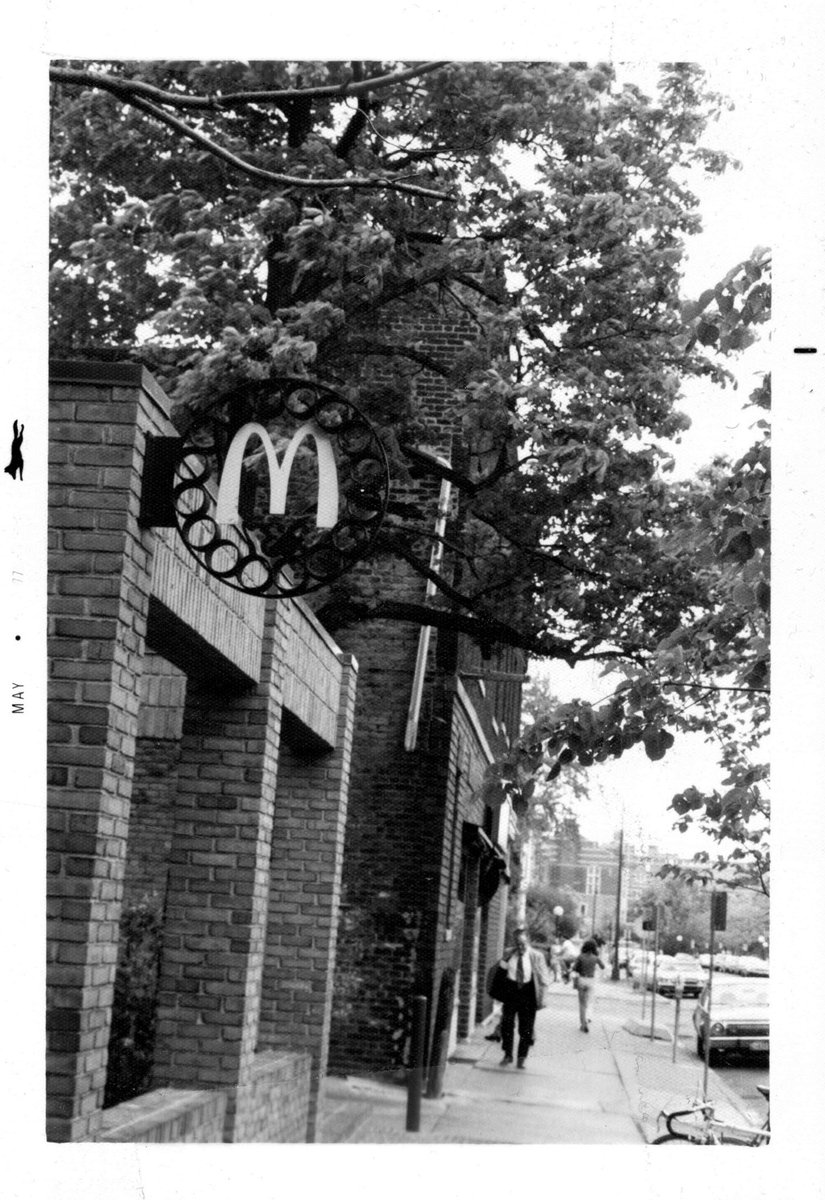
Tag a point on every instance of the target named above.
point(281, 555)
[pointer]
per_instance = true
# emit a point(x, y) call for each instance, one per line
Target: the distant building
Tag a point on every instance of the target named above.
point(590, 870)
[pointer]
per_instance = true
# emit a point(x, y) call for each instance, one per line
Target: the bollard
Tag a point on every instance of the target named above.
point(415, 1071)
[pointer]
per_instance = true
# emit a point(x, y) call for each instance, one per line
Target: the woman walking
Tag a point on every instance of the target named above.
point(584, 970)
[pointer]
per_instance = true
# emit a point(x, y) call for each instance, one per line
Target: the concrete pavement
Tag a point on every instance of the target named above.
point(604, 1087)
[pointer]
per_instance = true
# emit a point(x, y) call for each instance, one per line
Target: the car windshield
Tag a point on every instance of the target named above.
point(741, 997)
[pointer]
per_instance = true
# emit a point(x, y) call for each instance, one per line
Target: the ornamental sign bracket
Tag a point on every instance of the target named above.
point(276, 489)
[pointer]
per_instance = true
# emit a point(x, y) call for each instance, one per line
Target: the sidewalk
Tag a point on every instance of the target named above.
point(605, 1087)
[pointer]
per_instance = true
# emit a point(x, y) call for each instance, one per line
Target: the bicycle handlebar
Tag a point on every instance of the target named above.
point(685, 1112)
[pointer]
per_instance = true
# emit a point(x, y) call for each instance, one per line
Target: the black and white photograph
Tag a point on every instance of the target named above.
point(387, 552)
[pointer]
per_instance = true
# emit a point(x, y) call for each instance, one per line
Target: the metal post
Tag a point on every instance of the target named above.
point(614, 974)
point(644, 973)
point(655, 975)
point(415, 1072)
point(677, 995)
point(707, 1007)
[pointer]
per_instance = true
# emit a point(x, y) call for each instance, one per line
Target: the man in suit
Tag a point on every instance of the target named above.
point(527, 980)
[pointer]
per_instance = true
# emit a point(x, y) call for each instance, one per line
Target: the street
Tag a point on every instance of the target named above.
point(740, 1073)
point(743, 1075)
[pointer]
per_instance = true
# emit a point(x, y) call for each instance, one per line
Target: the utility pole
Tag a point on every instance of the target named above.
point(614, 974)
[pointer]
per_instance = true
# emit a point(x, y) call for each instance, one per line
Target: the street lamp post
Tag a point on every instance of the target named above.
point(558, 913)
point(614, 974)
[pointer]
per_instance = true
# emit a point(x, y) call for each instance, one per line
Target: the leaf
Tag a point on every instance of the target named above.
point(656, 743)
point(707, 333)
point(743, 595)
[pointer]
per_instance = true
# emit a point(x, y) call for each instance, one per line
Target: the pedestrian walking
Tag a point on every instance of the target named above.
point(569, 954)
point(525, 986)
point(584, 981)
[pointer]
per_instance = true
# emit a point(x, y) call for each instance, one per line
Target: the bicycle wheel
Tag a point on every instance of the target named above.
point(758, 1139)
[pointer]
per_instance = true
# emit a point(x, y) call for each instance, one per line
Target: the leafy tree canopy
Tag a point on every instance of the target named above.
point(234, 220)
point(685, 911)
point(711, 674)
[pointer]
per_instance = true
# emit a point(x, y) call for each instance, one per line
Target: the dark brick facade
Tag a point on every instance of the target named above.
point(410, 921)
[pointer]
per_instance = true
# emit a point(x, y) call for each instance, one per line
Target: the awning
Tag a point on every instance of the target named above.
point(492, 868)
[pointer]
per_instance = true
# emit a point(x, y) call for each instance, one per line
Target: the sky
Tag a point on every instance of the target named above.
point(632, 786)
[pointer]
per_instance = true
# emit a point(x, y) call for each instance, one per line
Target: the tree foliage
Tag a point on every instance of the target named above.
point(229, 221)
point(711, 674)
point(541, 920)
point(685, 911)
point(233, 220)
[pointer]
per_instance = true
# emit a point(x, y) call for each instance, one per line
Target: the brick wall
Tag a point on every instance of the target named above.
point(274, 1104)
point(163, 786)
point(402, 927)
point(218, 888)
point(99, 584)
point(305, 892)
point(165, 1116)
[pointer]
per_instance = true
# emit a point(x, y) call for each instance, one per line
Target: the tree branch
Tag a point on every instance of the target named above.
point(357, 122)
point(126, 88)
point(358, 183)
point(363, 345)
point(709, 687)
point(340, 612)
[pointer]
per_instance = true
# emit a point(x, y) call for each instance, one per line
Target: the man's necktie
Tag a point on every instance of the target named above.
point(520, 968)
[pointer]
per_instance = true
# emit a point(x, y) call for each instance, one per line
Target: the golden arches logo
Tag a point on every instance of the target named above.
point(226, 512)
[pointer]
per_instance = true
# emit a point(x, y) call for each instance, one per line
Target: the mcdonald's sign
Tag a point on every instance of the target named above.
point(278, 489)
point(226, 512)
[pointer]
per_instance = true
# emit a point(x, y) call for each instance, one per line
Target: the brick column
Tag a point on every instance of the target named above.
point(305, 894)
point(99, 581)
point(218, 886)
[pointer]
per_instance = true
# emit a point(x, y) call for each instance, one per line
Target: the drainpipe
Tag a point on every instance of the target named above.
point(436, 556)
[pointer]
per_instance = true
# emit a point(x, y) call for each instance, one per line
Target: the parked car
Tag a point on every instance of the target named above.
point(681, 968)
point(725, 961)
point(663, 964)
point(636, 961)
point(749, 964)
point(738, 1020)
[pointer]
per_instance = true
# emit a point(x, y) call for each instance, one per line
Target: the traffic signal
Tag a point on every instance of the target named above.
point(718, 910)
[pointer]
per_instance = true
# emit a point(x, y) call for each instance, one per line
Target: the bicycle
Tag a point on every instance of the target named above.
point(703, 1128)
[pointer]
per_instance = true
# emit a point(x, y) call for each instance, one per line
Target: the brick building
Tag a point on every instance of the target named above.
point(420, 855)
point(199, 756)
point(591, 871)
point(310, 855)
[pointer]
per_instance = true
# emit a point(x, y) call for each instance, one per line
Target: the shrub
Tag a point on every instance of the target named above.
point(132, 1036)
